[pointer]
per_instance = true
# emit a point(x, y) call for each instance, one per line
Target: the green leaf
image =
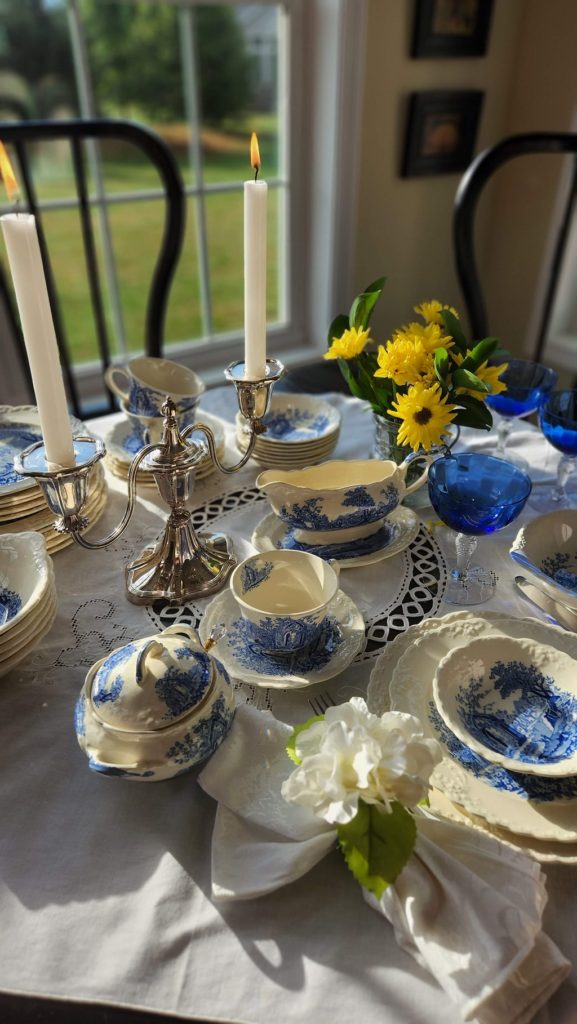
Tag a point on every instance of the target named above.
point(441, 364)
point(350, 378)
point(482, 351)
point(291, 745)
point(376, 846)
point(465, 379)
point(339, 325)
point(362, 307)
point(453, 327)
point(472, 413)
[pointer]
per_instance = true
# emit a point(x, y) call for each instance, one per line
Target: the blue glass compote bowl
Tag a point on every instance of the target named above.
point(527, 384)
point(558, 420)
point(475, 494)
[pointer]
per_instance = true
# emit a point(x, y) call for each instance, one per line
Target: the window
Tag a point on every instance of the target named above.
point(203, 75)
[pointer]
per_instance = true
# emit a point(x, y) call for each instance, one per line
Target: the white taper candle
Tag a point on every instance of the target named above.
point(255, 258)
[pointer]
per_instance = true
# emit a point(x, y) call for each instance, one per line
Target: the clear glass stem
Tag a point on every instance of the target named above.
point(564, 470)
point(504, 428)
point(465, 546)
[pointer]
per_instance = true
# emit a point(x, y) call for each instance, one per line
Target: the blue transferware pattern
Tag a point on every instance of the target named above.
point(141, 400)
point(560, 567)
point(296, 425)
point(377, 541)
point(105, 689)
point(528, 787)
point(80, 716)
point(13, 440)
point(123, 773)
point(282, 635)
point(133, 441)
point(253, 575)
point(365, 510)
point(182, 690)
point(536, 727)
point(202, 740)
point(10, 605)
point(250, 654)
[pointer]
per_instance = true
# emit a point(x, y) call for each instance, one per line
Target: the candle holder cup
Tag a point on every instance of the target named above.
point(181, 564)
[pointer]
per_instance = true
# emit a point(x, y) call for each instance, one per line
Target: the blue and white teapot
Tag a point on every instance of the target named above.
point(154, 708)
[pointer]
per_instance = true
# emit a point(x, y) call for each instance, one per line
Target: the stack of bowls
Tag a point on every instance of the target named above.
point(301, 430)
point(27, 596)
point(22, 502)
point(546, 548)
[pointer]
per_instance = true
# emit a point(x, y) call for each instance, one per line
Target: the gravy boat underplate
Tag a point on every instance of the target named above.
point(349, 498)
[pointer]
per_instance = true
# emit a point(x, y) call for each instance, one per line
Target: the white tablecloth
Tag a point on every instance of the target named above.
point(104, 885)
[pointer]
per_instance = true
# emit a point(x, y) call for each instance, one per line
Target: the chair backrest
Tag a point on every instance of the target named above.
point(468, 193)
point(20, 135)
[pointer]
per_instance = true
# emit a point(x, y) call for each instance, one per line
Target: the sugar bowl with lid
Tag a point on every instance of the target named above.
point(154, 708)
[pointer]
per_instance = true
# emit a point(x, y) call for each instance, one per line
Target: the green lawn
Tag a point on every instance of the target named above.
point(136, 231)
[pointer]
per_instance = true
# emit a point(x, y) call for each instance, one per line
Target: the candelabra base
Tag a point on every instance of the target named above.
point(181, 565)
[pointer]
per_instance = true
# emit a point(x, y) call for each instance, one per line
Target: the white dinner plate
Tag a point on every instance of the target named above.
point(545, 809)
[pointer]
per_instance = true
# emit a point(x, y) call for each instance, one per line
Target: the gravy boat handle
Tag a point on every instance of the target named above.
point(412, 457)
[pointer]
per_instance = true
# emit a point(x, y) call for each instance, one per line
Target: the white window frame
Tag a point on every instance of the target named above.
point(324, 66)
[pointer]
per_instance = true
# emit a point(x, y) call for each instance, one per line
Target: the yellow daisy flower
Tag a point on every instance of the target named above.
point(431, 311)
point(350, 344)
point(489, 374)
point(425, 415)
point(431, 336)
point(404, 360)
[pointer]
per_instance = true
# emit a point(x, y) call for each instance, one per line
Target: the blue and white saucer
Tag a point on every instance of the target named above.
point(123, 442)
point(342, 637)
point(396, 533)
point(19, 428)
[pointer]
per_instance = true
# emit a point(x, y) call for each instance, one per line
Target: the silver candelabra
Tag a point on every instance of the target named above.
point(181, 564)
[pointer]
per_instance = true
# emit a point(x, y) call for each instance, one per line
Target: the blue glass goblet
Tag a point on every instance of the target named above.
point(475, 494)
point(558, 420)
point(527, 384)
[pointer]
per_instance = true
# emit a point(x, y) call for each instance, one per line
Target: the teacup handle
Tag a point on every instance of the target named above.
point(335, 566)
point(422, 478)
point(109, 373)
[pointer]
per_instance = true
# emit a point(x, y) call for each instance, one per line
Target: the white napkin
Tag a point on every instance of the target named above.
point(467, 907)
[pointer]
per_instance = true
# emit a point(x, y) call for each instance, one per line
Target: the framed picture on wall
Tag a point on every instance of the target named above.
point(451, 28)
point(441, 131)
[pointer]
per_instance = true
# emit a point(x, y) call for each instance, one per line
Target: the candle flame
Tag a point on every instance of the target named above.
point(8, 176)
point(254, 154)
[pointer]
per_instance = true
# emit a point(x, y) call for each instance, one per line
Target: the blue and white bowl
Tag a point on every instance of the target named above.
point(512, 701)
point(26, 576)
point(154, 708)
point(546, 548)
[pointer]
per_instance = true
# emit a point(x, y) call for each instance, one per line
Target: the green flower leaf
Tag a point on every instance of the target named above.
point(354, 387)
point(473, 413)
point(465, 379)
point(441, 362)
point(453, 327)
point(339, 325)
point(376, 846)
point(362, 307)
point(291, 745)
point(481, 352)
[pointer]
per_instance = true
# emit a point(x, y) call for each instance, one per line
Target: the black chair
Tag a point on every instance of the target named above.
point(468, 193)
point(20, 135)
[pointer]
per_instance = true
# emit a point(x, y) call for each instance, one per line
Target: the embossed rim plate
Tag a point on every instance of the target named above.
point(33, 625)
point(25, 569)
point(455, 692)
point(22, 653)
point(414, 656)
point(26, 417)
point(123, 429)
point(306, 406)
point(271, 530)
point(224, 610)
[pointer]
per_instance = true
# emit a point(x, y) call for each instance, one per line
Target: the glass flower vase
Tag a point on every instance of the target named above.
point(386, 446)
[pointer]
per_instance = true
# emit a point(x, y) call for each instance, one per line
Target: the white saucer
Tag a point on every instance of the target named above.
point(345, 628)
point(403, 525)
point(123, 441)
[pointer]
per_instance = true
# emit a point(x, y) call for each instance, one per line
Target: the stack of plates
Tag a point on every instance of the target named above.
point(124, 442)
point(27, 596)
point(301, 431)
point(22, 502)
point(531, 810)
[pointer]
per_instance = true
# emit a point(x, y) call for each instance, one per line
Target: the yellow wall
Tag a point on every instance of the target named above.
point(529, 77)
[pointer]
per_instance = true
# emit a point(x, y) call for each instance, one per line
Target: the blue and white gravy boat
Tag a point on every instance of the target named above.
point(351, 497)
point(283, 597)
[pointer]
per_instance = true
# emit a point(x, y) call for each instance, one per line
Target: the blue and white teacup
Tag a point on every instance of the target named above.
point(144, 383)
point(283, 597)
point(149, 428)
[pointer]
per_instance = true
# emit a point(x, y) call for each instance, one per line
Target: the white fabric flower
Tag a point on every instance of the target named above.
point(354, 754)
